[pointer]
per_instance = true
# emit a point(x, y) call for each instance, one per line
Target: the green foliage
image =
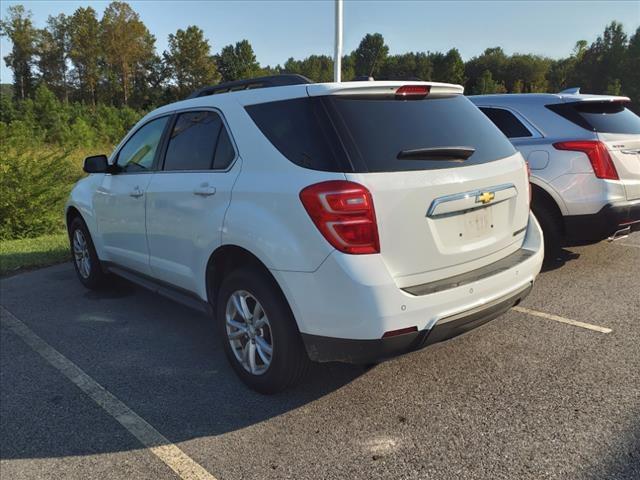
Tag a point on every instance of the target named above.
point(318, 68)
point(238, 61)
point(16, 255)
point(85, 52)
point(449, 67)
point(189, 60)
point(370, 55)
point(127, 43)
point(19, 28)
point(412, 65)
point(34, 184)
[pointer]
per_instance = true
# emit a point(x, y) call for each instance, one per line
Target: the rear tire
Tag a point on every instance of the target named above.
point(551, 223)
point(85, 259)
point(260, 335)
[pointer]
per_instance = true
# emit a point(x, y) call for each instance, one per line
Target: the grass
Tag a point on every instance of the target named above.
point(27, 253)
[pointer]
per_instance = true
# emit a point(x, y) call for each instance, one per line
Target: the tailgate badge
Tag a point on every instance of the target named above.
point(485, 197)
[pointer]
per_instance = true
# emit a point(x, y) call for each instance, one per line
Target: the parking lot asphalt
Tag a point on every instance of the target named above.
point(523, 397)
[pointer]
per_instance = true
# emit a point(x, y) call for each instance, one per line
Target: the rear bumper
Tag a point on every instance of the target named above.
point(351, 301)
point(324, 349)
point(598, 226)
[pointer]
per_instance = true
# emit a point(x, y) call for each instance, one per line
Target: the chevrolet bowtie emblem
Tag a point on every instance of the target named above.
point(485, 197)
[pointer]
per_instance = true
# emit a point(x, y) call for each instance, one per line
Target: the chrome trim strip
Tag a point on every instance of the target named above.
point(464, 195)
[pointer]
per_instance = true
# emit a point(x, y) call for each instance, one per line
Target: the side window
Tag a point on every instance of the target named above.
point(198, 141)
point(507, 122)
point(224, 151)
point(138, 153)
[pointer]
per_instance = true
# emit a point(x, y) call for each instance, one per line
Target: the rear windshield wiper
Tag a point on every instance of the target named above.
point(459, 154)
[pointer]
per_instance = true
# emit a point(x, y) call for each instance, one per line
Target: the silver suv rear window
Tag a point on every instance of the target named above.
point(359, 135)
point(603, 117)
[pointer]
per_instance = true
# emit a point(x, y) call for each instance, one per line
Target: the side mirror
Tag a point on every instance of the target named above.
point(96, 164)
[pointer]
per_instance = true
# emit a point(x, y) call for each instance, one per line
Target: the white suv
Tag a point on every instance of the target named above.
point(584, 154)
point(337, 221)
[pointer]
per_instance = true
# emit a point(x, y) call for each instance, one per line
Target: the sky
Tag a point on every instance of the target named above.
point(279, 29)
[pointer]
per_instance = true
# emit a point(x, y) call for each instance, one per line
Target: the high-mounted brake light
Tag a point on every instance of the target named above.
point(343, 212)
point(598, 155)
point(412, 92)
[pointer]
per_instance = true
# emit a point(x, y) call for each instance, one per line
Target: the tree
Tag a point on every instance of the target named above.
point(189, 60)
point(318, 68)
point(412, 65)
point(527, 73)
point(486, 84)
point(20, 30)
point(85, 51)
point(370, 55)
point(493, 60)
point(632, 69)
point(448, 68)
point(52, 48)
point(238, 62)
point(127, 43)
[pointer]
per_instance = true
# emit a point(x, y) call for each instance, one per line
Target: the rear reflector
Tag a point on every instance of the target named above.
point(343, 212)
point(402, 331)
point(598, 155)
point(412, 92)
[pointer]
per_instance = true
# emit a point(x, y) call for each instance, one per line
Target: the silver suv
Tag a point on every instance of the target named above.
point(584, 155)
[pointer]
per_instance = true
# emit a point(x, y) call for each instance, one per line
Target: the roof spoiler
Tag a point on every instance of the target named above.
point(388, 89)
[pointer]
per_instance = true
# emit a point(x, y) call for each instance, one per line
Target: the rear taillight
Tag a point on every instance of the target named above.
point(598, 155)
point(412, 92)
point(343, 212)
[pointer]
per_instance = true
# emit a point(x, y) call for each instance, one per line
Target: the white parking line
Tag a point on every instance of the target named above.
point(557, 318)
point(157, 443)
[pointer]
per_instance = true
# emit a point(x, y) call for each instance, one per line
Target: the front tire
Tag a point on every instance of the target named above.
point(260, 336)
point(85, 259)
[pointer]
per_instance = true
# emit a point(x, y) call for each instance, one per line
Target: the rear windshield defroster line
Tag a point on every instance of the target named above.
point(360, 135)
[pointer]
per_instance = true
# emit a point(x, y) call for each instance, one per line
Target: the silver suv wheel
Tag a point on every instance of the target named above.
point(249, 332)
point(81, 254)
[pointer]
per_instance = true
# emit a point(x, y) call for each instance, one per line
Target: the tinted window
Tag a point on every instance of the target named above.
point(224, 151)
point(604, 117)
point(367, 134)
point(193, 141)
point(302, 131)
point(507, 122)
point(139, 151)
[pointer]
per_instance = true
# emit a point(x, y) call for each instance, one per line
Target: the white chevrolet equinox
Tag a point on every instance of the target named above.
point(327, 222)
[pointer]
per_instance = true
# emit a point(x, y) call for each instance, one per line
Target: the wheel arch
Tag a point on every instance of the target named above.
point(228, 257)
point(542, 196)
point(71, 213)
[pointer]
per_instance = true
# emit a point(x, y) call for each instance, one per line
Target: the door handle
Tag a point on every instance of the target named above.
point(205, 191)
point(136, 193)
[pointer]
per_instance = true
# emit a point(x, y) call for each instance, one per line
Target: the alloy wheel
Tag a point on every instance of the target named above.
point(249, 332)
point(81, 253)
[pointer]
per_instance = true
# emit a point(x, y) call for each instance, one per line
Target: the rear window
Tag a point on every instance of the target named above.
point(507, 122)
point(337, 133)
point(603, 117)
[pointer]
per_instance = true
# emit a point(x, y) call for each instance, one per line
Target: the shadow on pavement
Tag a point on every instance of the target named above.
point(561, 259)
point(161, 359)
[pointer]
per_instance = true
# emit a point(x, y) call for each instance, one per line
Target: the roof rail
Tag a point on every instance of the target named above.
point(251, 83)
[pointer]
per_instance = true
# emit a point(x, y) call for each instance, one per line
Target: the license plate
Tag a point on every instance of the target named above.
point(477, 223)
